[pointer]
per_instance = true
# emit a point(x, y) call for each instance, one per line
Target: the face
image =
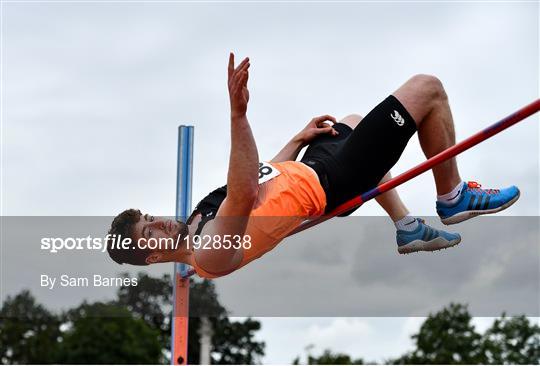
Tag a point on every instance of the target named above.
point(155, 228)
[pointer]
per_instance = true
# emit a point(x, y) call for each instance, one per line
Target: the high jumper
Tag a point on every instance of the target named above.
point(266, 202)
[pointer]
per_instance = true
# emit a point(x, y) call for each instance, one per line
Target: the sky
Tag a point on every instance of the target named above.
point(92, 94)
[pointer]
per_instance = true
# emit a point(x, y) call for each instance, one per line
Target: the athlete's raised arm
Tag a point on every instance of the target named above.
point(315, 127)
point(242, 179)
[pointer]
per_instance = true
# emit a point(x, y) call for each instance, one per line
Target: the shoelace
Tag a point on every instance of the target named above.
point(477, 187)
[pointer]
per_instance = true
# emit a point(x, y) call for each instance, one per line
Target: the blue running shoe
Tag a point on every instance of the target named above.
point(425, 238)
point(476, 201)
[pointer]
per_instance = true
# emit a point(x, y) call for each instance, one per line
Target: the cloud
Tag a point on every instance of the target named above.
point(93, 94)
point(90, 91)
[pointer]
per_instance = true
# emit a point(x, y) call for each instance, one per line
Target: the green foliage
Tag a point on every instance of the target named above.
point(329, 358)
point(133, 329)
point(29, 333)
point(512, 340)
point(136, 329)
point(232, 342)
point(105, 333)
point(202, 302)
point(447, 337)
point(151, 301)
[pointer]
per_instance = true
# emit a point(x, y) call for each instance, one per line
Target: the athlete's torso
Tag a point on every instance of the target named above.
point(289, 192)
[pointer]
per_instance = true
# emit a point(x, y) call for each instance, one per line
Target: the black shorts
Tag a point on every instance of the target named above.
point(355, 161)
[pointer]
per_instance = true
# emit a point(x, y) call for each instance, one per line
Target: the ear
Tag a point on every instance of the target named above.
point(153, 258)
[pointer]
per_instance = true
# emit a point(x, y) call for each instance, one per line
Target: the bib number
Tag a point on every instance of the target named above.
point(267, 172)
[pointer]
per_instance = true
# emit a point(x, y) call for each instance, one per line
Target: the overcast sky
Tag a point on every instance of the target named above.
point(93, 93)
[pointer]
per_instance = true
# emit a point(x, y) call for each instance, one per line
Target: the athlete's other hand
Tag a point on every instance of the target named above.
point(237, 82)
point(315, 127)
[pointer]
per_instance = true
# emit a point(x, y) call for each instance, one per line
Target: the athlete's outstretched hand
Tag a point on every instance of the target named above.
point(317, 126)
point(238, 91)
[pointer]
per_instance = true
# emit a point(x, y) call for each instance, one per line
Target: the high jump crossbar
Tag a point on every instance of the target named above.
point(444, 155)
point(449, 153)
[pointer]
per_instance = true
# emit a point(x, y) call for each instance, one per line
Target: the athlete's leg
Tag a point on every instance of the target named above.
point(425, 99)
point(389, 201)
point(412, 234)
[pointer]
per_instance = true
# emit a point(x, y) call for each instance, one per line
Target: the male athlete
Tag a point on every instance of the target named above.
point(264, 202)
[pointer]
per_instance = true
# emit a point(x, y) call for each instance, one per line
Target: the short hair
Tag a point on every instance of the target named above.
point(123, 226)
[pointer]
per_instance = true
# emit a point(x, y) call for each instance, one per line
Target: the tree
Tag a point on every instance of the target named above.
point(330, 358)
point(29, 333)
point(135, 328)
point(447, 337)
point(105, 333)
point(151, 301)
point(512, 340)
point(232, 342)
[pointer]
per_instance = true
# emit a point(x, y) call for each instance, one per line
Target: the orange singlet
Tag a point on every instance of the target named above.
point(289, 192)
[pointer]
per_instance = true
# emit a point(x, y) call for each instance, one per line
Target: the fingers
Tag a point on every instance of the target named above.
point(323, 125)
point(239, 82)
point(244, 65)
point(239, 79)
point(230, 68)
point(324, 130)
point(242, 68)
point(233, 87)
point(326, 117)
point(322, 119)
point(231, 71)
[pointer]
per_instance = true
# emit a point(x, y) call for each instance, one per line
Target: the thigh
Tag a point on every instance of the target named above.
point(373, 147)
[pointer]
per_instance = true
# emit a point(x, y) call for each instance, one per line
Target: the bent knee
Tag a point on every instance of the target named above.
point(426, 79)
point(428, 84)
point(351, 120)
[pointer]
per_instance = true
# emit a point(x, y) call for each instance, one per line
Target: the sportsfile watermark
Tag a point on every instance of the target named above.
point(346, 267)
point(114, 241)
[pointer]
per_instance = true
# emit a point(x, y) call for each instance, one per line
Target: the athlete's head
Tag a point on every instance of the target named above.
point(152, 238)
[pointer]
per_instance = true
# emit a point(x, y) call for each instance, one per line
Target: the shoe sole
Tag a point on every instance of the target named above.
point(466, 215)
point(428, 246)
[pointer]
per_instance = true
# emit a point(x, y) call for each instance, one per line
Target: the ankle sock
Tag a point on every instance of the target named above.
point(452, 196)
point(408, 223)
